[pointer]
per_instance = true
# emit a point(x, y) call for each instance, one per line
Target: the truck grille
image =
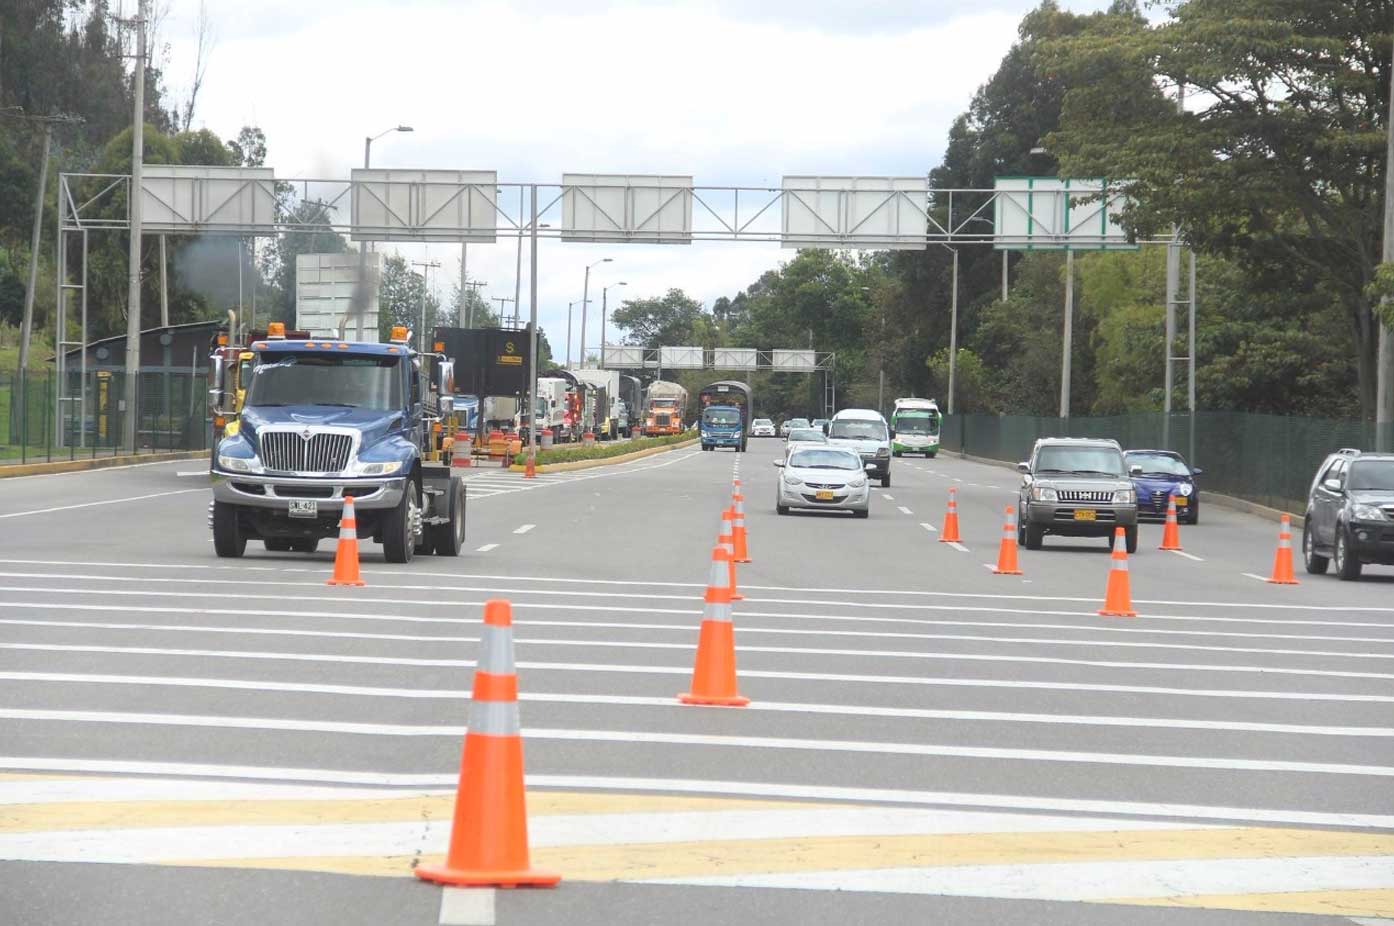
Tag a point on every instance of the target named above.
point(288, 452)
point(1076, 495)
point(663, 421)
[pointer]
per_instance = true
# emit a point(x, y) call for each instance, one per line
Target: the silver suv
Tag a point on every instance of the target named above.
point(1076, 487)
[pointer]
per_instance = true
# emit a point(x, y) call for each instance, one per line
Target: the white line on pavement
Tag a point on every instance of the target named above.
point(701, 739)
point(889, 498)
point(487, 547)
point(958, 546)
point(109, 501)
point(1250, 575)
point(467, 906)
point(99, 470)
point(1190, 556)
point(858, 710)
point(904, 510)
point(929, 527)
point(699, 786)
point(524, 529)
point(197, 472)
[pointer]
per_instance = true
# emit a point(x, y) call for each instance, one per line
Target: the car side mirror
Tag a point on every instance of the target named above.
point(778, 464)
point(1024, 468)
point(1134, 470)
point(871, 467)
point(1332, 485)
point(1197, 471)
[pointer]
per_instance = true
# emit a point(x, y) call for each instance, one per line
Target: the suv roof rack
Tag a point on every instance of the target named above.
point(1349, 451)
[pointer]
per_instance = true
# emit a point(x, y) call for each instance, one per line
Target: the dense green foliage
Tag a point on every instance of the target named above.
point(575, 452)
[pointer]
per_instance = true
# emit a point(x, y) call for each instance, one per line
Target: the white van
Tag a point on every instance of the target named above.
point(866, 432)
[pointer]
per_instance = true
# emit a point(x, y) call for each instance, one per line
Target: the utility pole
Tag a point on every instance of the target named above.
point(426, 266)
point(1067, 351)
point(132, 417)
point(468, 293)
point(1384, 367)
point(27, 324)
point(503, 313)
point(568, 335)
point(1173, 295)
point(953, 333)
point(604, 311)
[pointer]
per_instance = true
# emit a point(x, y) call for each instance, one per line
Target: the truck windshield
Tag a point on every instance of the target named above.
point(328, 379)
point(721, 416)
point(857, 429)
point(540, 410)
point(916, 424)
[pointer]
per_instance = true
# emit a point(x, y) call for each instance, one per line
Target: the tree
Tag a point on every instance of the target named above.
point(249, 148)
point(668, 321)
point(1280, 165)
point(400, 298)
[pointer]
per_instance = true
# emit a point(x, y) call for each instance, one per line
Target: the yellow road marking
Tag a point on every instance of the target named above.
point(1371, 903)
point(763, 856)
point(84, 815)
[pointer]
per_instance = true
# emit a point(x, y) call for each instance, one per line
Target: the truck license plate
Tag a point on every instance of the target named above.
point(304, 508)
point(825, 495)
point(1084, 514)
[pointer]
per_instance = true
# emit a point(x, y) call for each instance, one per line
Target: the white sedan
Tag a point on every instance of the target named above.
point(819, 476)
point(762, 427)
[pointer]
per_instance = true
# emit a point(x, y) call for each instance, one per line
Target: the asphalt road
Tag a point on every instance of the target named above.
point(186, 740)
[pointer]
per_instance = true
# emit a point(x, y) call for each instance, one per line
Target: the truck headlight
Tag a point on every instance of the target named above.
point(1185, 489)
point(1367, 513)
point(377, 469)
point(1123, 497)
point(1043, 494)
point(883, 452)
point(239, 464)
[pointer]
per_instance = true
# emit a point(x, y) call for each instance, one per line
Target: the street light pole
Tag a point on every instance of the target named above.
point(604, 308)
point(568, 334)
point(953, 332)
point(133, 199)
point(425, 266)
point(585, 301)
point(1384, 360)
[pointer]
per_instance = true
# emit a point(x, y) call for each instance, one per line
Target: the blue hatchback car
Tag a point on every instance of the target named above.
point(1164, 473)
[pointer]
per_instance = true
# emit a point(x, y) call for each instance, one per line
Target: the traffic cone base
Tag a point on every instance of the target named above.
point(714, 674)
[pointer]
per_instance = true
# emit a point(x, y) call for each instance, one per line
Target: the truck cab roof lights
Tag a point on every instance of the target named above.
point(276, 331)
point(398, 335)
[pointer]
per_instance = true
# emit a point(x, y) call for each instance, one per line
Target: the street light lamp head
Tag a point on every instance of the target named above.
point(405, 128)
point(606, 260)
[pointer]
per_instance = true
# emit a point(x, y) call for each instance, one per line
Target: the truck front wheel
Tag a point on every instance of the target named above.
point(399, 527)
point(228, 539)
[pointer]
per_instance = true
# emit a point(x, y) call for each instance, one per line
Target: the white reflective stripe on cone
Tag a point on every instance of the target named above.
point(496, 650)
point(495, 718)
point(717, 611)
point(348, 533)
point(717, 577)
point(1120, 565)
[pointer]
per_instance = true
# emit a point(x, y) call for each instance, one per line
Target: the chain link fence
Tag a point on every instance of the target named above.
point(1268, 459)
point(171, 408)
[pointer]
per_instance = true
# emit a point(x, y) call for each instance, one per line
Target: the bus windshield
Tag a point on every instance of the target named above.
point(917, 424)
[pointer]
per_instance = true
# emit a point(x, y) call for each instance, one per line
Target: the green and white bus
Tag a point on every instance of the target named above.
point(915, 425)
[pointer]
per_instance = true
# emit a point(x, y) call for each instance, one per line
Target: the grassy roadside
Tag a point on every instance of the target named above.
point(600, 451)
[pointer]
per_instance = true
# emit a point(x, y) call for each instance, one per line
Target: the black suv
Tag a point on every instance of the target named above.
point(1350, 513)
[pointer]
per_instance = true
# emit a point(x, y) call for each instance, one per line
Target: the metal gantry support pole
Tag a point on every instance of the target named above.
point(132, 420)
point(953, 334)
point(164, 283)
point(1173, 290)
point(1191, 363)
point(1004, 274)
point(531, 412)
point(1068, 347)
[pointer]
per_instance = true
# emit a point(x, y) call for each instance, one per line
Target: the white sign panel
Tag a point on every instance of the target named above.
point(621, 356)
point(793, 361)
point(1054, 213)
point(680, 358)
point(193, 199)
point(425, 205)
point(650, 209)
point(855, 212)
point(324, 291)
point(734, 358)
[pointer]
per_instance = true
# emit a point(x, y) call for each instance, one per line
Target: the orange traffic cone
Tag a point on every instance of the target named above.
point(1282, 559)
point(714, 673)
point(738, 539)
point(489, 836)
point(461, 450)
point(727, 540)
point(1171, 534)
point(950, 532)
point(1118, 600)
point(346, 553)
point(1006, 553)
point(530, 467)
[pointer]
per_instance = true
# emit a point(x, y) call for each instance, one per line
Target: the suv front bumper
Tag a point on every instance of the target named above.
point(1371, 541)
point(277, 492)
point(1060, 518)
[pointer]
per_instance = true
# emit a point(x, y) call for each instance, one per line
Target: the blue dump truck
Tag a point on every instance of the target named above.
point(726, 408)
point(325, 419)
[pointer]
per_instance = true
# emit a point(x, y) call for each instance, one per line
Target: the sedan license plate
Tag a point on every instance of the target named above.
point(304, 508)
point(1084, 514)
point(825, 495)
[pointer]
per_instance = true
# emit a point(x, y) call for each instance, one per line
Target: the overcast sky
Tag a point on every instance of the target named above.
point(732, 92)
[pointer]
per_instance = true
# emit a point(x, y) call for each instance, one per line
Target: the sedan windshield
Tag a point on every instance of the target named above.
point(1101, 461)
point(763, 423)
point(327, 379)
point(798, 423)
point(1369, 475)
point(857, 429)
point(825, 459)
point(1157, 464)
point(808, 434)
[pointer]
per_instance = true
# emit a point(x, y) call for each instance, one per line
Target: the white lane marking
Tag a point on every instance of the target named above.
point(467, 906)
point(460, 694)
point(98, 471)
point(929, 527)
point(650, 737)
point(909, 593)
point(702, 786)
point(1190, 556)
point(487, 547)
point(1090, 616)
point(959, 547)
point(1082, 881)
point(108, 501)
point(1250, 575)
point(956, 479)
point(197, 472)
point(904, 510)
point(650, 669)
point(779, 650)
point(524, 529)
point(889, 498)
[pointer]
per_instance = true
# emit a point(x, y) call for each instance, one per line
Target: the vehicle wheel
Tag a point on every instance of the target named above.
point(886, 481)
point(929, 456)
point(742, 448)
point(228, 539)
point(706, 446)
point(1020, 532)
point(1192, 518)
point(277, 544)
point(899, 453)
point(781, 509)
point(1130, 538)
point(447, 539)
point(862, 513)
point(304, 546)
point(1347, 566)
point(398, 543)
point(1316, 563)
point(1035, 533)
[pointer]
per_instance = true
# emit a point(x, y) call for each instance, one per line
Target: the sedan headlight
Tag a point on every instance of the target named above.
point(791, 480)
point(1124, 497)
point(239, 464)
point(1043, 494)
point(377, 469)
point(1185, 489)
point(857, 484)
point(1367, 513)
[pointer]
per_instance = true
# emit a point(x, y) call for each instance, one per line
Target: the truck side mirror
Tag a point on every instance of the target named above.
point(1024, 468)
